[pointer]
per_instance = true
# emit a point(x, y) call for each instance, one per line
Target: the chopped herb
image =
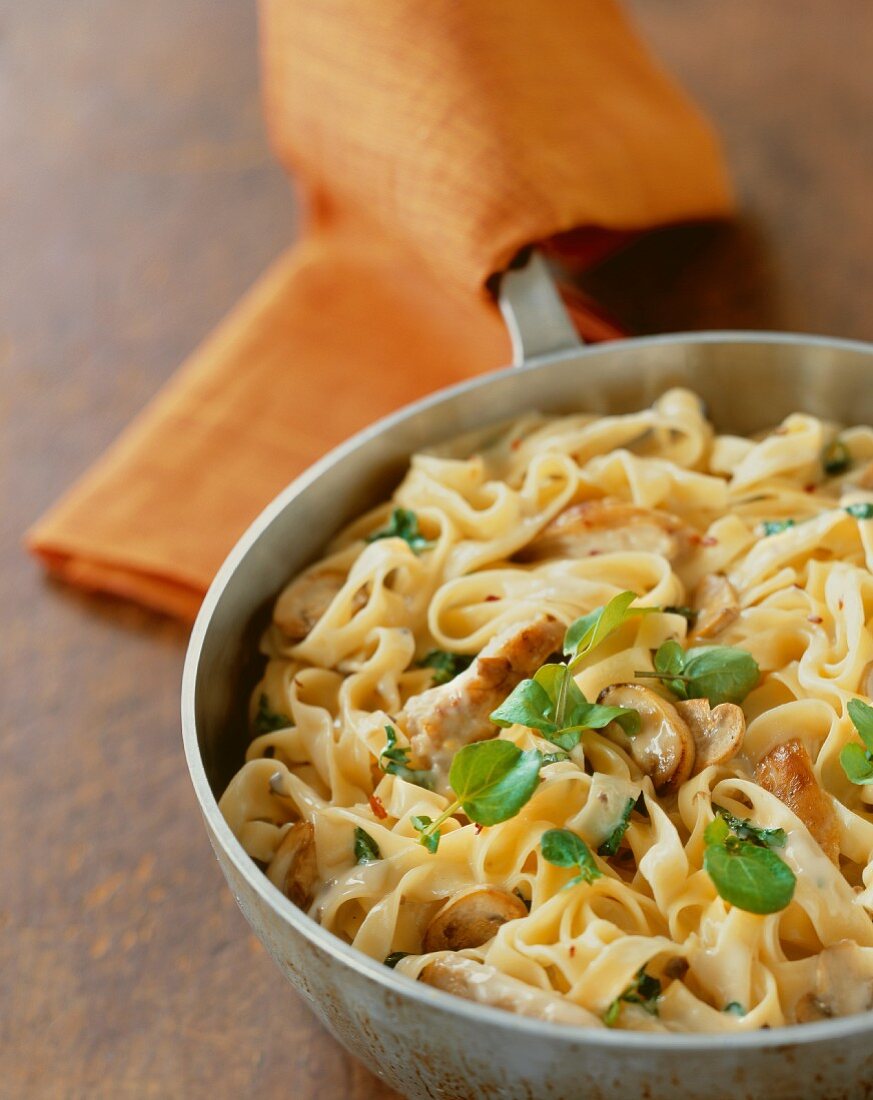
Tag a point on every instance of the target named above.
point(836, 458)
point(446, 666)
point(734, 1008)
point(268, 720)
point(422, 825)
point(721, 674)
point(564, 849)
point(403, 525)
point(687, 613)
point(492, 780)
point(745, 830)
point(394, 958)
point(860, 511)
point(776, 526)
point(644, 990)
point(366, 849)
point(857, 762)
point(554, 757)
point(612, 843)
point(748, 876)
point(395, 761)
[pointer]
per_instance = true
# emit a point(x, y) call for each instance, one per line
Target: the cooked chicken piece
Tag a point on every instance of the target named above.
point(486, 985)
point(443, 719)
point(305, 600)
point(294, 868)
point(471, 918)
point(843, 984)
point(786, 771)
point(715, 600)
point(718, 732)
point(664, 747)
point(608, 526)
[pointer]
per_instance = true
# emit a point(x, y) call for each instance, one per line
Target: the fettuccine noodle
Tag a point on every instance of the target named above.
point(343, 663)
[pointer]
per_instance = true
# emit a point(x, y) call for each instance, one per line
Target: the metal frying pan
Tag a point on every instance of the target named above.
point(420, 1040)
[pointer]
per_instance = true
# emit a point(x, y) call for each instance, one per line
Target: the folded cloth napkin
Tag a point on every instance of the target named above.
point(431, 142)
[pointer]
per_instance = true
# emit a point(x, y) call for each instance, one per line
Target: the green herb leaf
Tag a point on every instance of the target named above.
point(776, 526)
point(268, 720)
point(861, 714)
point(494, 779)
point(446, 666)
point(613, 842)
point(590, 630)
point(745, 830)
point(394, 958)
point(734, 1008)
point(366, 849)
point(644, 990)
point(860, 511)
point(721, 674)
point(403, 525)
point(744, 873)
point(687, 613)
point(394, 760)
point(836, 458)
point(857, 763)
point(430, 836)
point(564, 848)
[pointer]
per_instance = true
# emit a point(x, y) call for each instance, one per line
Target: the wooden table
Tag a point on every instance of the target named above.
point(140, 201)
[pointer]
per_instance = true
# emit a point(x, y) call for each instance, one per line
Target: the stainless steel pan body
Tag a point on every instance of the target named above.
point(423, 1042)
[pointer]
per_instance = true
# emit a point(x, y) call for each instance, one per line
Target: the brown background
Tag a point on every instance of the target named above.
point(139, 200)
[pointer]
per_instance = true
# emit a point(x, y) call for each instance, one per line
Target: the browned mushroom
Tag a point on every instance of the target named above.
point(443, 719)
point(471, 918)
point(717, 605)
point(608, 526)
point(485, 984)
point(718, 732)
point(786, 772)
point(294, 867)
point(843, 984)
point(664, 747)
point(305, 600)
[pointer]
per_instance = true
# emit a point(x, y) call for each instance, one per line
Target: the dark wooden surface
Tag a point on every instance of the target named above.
point(139, 200)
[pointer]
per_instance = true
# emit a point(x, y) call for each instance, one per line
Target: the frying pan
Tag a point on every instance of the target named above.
point(421, 1041)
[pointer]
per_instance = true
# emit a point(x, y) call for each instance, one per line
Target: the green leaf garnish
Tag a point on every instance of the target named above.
point(564, 849)
point(446, 666)
point(863, 510)
point(403, 525)
point(687, 613)
point(394, 760)
point(734, 1008)
point(748, 876)
point(492, 780)
point(776, 526)
point(612, 843)
point(588, 632)
point(745, 830)
point(394, 958)
point(721, 674)
point(366, 849)
point(644, 990)
point(857, 762)
point(268, 720)
point(836, 458)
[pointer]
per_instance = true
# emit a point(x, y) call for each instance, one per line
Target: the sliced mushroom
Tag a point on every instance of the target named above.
point(294, 868)
point(787, 772)
point(718, 732)
point(471, 918)
point(608, 526)
point(443, 719)
point(484, 984)
point(843, 984)
point(717, 605)
point(664, 747)
point(305, 600)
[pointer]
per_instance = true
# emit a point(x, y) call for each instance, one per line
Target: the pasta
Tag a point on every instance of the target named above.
point(700, 857)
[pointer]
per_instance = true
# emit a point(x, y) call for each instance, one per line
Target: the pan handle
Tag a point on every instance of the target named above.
point(533, 311)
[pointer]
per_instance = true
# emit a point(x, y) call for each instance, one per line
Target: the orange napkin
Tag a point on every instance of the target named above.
point(431, 141)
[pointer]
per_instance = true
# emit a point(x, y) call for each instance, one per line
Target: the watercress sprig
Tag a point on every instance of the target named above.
point(268, 720)
point(857, 762)
point(366, 849)
point(492, 780)
point(612, 843)
point(403, 525)
point(644, 990)
point(564, 848)
point(445, 666)
point(747, 873)
point(745, 830)
point(836, 458)
point(721, 674)
point(395, 761)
